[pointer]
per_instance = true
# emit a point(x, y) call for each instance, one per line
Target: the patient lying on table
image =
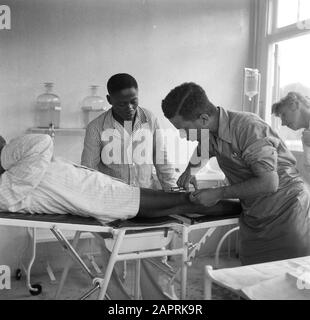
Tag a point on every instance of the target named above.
point(33, 181)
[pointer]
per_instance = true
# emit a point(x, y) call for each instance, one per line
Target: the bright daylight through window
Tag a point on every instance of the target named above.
point(290, 62)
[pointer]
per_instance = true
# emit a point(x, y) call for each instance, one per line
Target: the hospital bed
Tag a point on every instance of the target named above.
point(120, 235)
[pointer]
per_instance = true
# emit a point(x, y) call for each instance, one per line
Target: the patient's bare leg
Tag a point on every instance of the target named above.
point(157, 200)
point(159, 204)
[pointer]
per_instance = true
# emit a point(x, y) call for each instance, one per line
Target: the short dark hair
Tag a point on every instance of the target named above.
point(188, 100)
point(289, 100)
point(2, 142)
point(121, 81)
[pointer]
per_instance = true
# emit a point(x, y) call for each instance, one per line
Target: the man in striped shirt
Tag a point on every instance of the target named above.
point(122, 131)
point(119, 131)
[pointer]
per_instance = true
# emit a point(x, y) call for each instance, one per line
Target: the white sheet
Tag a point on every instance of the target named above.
point(268, 280)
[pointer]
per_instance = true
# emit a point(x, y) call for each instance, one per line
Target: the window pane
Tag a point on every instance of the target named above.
point(304, 12)
point(291, 11)
point(287, 12)
point(294, 66)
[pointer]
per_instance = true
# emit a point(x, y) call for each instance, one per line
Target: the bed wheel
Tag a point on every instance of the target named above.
point(38, 290)
point(18, 274)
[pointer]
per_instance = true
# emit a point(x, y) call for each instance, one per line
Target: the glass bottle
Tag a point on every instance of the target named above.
point(251, 82)
point(93, 105)
point(48, 107)
point(93, 102)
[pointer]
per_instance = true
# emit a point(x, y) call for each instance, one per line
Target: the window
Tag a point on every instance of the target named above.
point(285, 61)
point(292, 11)
point(293, 75)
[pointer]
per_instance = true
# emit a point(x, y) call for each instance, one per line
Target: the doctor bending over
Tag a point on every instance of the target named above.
point(274, 224)
point(33, 181)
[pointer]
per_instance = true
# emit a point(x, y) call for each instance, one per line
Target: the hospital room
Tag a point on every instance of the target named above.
point(155, 150)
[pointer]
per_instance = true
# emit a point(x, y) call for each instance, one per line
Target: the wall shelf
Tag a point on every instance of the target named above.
point(60, 131)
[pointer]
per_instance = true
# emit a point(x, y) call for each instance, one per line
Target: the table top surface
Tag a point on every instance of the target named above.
point(284, 279)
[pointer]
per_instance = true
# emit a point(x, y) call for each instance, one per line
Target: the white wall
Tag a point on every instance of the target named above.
point(76, 43)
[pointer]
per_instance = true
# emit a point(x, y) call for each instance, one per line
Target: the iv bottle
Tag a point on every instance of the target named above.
point(251, 82)
point(48, 108)
point(93, 105)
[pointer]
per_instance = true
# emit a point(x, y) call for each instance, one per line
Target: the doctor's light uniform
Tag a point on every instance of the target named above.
point(273, 226)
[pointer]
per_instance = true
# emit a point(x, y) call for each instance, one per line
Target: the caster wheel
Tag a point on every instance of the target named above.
point(37, 291)
point(18, 274)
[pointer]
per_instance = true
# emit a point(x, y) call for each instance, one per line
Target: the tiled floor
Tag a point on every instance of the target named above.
point(78, 283)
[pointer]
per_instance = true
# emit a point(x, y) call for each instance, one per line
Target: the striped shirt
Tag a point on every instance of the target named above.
point(36, 182)
point(132, 172)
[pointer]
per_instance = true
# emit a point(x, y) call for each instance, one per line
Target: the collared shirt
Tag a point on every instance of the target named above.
point(272, 225)
point(126, 164)
point(247, 146)
point(36, 182)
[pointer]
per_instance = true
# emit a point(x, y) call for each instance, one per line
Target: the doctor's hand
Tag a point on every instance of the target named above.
point(186, 178)
point(306, 137)
point(206, 197)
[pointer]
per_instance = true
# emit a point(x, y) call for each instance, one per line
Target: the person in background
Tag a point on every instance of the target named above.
point(262, 173)
point(294, 112)
point(2, 144)
point(122, 125)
